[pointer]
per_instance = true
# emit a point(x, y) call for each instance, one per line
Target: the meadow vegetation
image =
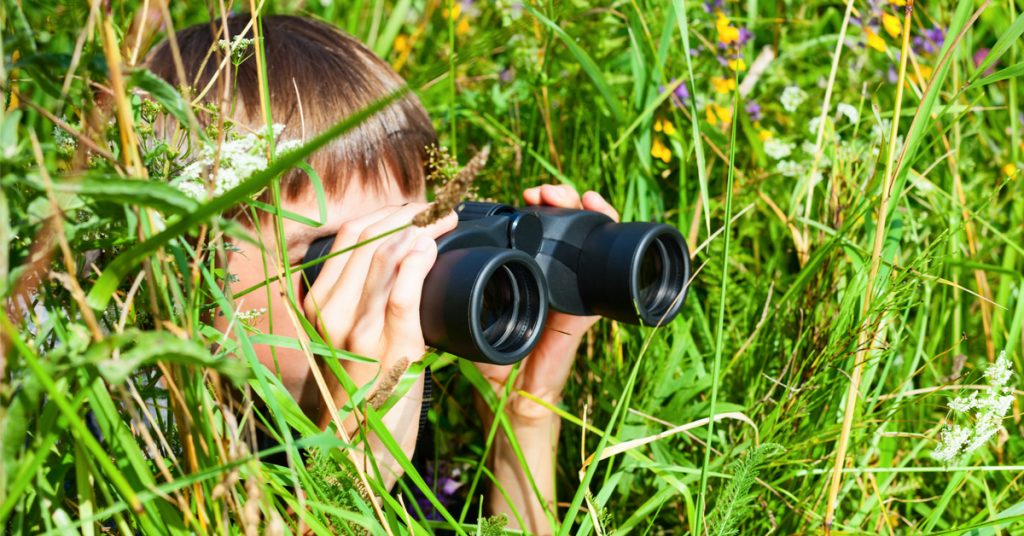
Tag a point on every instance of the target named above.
point(848, 360)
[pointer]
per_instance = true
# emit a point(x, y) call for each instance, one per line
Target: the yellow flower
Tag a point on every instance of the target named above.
point(463, 27)
point(709, 114)
point(1010, 170)
point(666, 126)
point(892, 25)
point(875, 41)
point(716, 113)
point(900, 3)
point(401, 44)
point(926, 73)
point(659, 151)
point(738, 65)
point(726, 32)
point(764, 134)
point(723, 113)
point(723, 85)
point(454, 12)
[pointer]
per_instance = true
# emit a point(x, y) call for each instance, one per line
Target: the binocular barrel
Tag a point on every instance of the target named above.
point(498, 272)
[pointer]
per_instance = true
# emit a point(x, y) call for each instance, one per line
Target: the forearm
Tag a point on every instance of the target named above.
point(538, 441)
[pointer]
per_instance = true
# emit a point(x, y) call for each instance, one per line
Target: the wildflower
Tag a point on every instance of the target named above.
point(680, 95)
point(849, 111)
point(462, 28)
point(892, 25)
point(659, 151)
point(898, 3)
point(792, 98)
point(714, 6)
point(789, 168)
point(402, 44)
point(727, 33)
point(1010, 170)
point(723, 85)
point(737, 65)
point(666, 126)
point(777, 149)
point(237, 48)
point(238, 159)
point(930, 41)
point(979, 57)
point(753, 110)
point(715, 113)
point(990, 407)
point(453, 12)
point(764, 134)
point(874, 40)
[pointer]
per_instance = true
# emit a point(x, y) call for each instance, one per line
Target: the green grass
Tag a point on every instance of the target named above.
point(900, 266)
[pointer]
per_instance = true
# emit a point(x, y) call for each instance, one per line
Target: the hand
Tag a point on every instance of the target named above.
point(367, 302)
point(542, 374)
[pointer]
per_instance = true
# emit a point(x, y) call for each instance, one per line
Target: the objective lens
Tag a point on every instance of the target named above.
point(510, 307)
point(660, 277)
point(499, 307)
point(652, 276)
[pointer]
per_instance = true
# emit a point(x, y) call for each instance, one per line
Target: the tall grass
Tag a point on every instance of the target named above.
point(847, 291)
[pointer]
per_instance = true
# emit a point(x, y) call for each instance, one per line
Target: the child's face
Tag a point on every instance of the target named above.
point(252, 267)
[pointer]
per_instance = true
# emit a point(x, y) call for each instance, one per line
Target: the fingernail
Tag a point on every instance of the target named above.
point(423, 243)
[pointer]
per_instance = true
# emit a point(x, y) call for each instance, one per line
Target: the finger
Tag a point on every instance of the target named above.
point(594, 201)
point(367, 330)
point(337, 306)
point(560, 196)
point(402, 319)
point(347, 235)
point(532, 195)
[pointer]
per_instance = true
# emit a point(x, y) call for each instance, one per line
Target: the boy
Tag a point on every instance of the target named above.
point(367, 299)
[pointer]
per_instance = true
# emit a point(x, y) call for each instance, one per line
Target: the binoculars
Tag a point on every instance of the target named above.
point(500, 270)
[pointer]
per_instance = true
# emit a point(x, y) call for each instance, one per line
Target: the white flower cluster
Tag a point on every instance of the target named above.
point(792, 98)
point(777, 149)
point(238, 48)
point(989, 409)
point(240, 158)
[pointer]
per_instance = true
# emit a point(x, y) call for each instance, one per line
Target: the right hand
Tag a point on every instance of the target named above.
point(367, 302)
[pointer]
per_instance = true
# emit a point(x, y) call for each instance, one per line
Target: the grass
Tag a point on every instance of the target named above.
point(833, 319)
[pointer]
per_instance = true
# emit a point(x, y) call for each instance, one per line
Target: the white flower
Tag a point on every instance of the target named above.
point(792, 98)
point(193, 189)
point(813, 124)
point(999, 373)
point(777, 149)
point(849, 111)
point(789, 168)
point(953, 438)
point(809, 148)
point(990, 407)
point(879, 131)
point(237, 159)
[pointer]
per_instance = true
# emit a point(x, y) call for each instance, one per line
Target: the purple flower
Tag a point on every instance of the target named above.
point(680, 95)
point(891, 75)
point(507, 75)
point(714, 5)
point(745, 36)
point(753, 110)
point(979, 58)
point(930, 41)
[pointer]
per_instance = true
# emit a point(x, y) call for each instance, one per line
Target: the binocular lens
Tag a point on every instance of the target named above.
point(660, 277)
point(508, 307)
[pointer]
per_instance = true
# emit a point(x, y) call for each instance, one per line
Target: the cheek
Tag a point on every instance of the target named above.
point(247, 267)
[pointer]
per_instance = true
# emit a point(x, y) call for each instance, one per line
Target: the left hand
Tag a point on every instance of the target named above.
point(545, 371)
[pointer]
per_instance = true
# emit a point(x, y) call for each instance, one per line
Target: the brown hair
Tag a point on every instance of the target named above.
point(317, 76)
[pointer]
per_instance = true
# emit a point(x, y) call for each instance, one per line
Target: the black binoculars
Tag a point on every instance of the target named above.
point(497, 273)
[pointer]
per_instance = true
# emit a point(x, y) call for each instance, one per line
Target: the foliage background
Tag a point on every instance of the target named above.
point(834, 259)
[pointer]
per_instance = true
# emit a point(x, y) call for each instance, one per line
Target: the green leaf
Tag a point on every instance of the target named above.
point(158, 195)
